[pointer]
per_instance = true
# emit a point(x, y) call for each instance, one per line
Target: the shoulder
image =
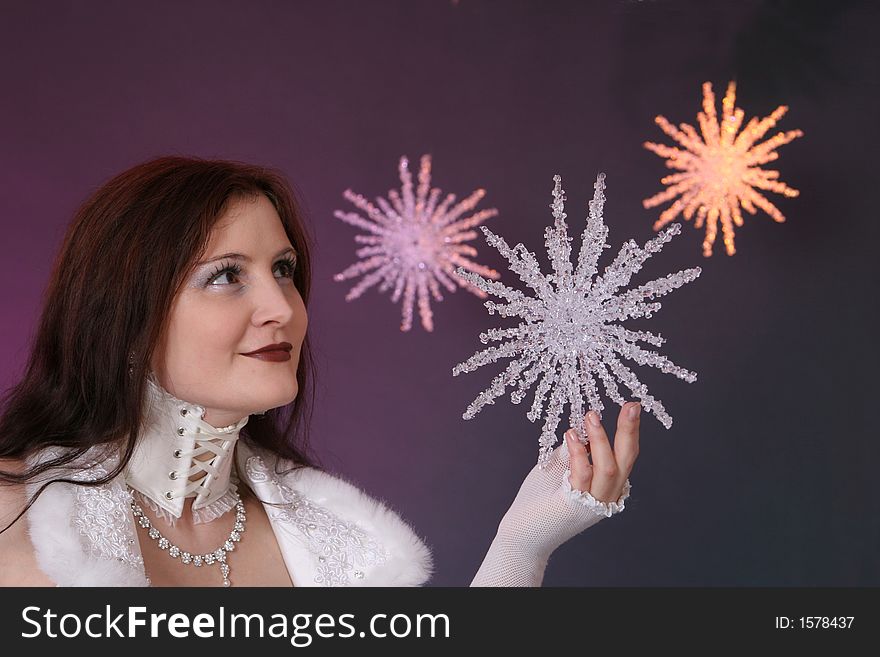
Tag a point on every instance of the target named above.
point(340, 494)
point(333, 492)
point(16, 550)
point(328, 505)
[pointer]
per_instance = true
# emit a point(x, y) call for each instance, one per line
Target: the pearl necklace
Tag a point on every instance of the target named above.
point(217, 556)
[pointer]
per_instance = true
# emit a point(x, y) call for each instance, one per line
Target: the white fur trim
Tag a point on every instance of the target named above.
point(59, 549)
point(410, 562)
point(64, 554)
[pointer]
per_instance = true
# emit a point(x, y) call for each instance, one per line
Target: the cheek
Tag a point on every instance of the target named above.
point(202, 331)
point(300, 319)
point(303, 320)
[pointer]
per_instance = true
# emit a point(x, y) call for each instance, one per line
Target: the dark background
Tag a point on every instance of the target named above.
point(766, 477)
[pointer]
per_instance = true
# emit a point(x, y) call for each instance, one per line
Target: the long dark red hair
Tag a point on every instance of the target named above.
point(128, 251)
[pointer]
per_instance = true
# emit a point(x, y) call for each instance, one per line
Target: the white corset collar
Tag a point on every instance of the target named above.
point(165, 466)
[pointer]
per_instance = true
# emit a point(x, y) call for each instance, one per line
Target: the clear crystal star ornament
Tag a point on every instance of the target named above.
point(570, 335)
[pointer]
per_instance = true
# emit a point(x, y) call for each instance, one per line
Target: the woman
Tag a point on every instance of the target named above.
point(159, 434)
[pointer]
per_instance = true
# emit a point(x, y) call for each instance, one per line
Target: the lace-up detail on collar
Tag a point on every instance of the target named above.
point(207, 440)
point(180, 455)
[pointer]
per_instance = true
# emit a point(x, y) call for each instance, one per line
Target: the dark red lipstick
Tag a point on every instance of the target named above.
point(272, 352)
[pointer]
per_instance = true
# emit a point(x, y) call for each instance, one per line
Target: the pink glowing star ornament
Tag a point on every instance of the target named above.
point(413, 245)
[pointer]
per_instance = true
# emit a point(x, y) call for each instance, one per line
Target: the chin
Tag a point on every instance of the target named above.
point(276, 398)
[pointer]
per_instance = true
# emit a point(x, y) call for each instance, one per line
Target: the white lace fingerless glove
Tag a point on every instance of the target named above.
point(545, 514)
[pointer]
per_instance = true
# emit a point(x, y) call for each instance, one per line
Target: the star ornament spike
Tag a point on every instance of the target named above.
point(414, 243)
point(570, 335)
point(719, 171)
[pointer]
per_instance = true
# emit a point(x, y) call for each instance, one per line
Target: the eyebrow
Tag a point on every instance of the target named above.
point(240, 256)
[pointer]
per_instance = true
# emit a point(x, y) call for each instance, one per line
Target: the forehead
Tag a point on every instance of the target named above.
point(248, 224)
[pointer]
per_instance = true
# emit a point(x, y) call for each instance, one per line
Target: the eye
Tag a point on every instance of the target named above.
point(288, 264)
point(233, 270)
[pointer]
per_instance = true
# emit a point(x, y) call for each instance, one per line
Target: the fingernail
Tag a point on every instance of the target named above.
point(593, 418)
point(568, 436)
point(634, 411)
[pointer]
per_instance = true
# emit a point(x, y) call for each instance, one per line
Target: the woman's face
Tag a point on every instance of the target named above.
point(230, 306)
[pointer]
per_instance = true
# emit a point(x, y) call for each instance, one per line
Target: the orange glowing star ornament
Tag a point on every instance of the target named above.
point(722, 171)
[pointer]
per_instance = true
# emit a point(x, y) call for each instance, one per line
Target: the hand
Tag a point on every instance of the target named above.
point(552, 505)
point(605, 476)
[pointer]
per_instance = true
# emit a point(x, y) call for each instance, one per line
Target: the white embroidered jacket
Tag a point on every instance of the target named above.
point(329, 532)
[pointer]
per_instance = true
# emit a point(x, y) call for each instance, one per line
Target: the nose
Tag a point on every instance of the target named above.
point(272, 303)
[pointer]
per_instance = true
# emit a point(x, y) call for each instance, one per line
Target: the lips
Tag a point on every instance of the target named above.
point(275, 353)
point(280, 346)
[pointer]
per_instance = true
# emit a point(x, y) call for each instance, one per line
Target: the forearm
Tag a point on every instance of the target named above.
point(505, 564)
point(531, 531)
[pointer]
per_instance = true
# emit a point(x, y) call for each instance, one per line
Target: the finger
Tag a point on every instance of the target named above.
point(626, 439)
point(579, 463)
point(600, 446)
point(604, 464)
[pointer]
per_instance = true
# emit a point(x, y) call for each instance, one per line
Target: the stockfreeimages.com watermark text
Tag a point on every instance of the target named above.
point(299, 629)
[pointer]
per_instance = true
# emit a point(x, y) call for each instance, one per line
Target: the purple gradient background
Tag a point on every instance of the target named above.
point(766, 477)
